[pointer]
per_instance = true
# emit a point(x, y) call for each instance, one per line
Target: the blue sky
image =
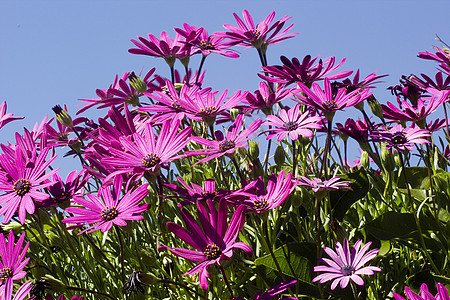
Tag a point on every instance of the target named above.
point(56, 52)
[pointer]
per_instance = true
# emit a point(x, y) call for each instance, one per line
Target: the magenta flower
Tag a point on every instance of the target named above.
point(195, 193)
point(321, 187)
point(440, 56)
point(345, 265)
point(306, 72)
point(5, 118)
point(358, 130)
point(108, 209)
point(411, 113)
point(22, 292)
point(165, 47)
point(21, 182)
point(148, 153)
point(327, 101)
point(292, 123)
point(264, 99)
point(214, 241)
point(366, 83)
point(227, 146)
point(278, 189)
point(401, 138)
point(12, 263)
point(442, 293)
point(204, 43)
point(259, 36)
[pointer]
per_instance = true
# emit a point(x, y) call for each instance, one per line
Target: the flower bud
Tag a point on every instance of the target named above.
point(257, 169)
point(15, 226)
point(137, 83)
point(280, 156)
point(364, 159)
point(147, 258)
point(253, 149)
point(234, 112)
point(387, 159)
point(375, 107)
point(297, 198)
point(360, 106)
point(63, 116)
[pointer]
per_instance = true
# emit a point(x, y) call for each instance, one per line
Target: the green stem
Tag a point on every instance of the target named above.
point(294, 158)
point(122, 258)
point(227, 283)
point(416, 219)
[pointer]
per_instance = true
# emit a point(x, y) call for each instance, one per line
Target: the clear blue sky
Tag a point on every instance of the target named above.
point(56, 52)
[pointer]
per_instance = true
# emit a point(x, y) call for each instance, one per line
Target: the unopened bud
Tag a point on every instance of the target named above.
point(280, 156)
point(234, 112)
point(297, 198)
point(137, 83)
point(63, 116)
point(375, 107)
point(253, 149)
point(147, 258)
point(387, 159)
point(360, 106)
point(364, 159)
point(257, 169)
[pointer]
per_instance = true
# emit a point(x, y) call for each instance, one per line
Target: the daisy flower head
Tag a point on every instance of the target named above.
point(228, 145)
point(108, 209)
point(401, 138)
point(319, 186)
point(346, 264)
point(12, 263)
point(293, 123)
point(213, 241)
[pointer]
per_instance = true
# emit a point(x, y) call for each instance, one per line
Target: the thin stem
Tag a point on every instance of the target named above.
point(238, 170)
point(122, 258)
point(355, 292)
point(172, 74)
point(269, 247)
point(200, 68)
point(446, 120)
point(161, 215)
point(324, 169)
point(411, 204)
point(226, 281)
point(294, 158)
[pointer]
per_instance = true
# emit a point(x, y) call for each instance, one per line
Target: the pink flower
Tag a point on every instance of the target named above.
point(5, 118)
point(12, 263)
point(345, 265)
point(108, 209)
point(401, 138)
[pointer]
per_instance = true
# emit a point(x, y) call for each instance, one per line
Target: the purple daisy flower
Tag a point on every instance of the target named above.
point(259, 36)
point(417, 113)
point(228, 145)
point(108, 209)
point(264, 99)
point(292, 123)
point(146, 152)
point(22, 292)
point(195, 193)
point(401, 138)
point(214, 241)
point(12, 263)
point(358, 130)
point(21, 182)
point(327, 101)
point(345, 265)
point(321, 187)
point(278, 189)
point(442, 293)
point(440, 56)
point(306, 72)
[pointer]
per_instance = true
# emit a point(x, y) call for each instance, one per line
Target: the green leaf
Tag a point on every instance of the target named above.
point(296, 260)
point(393, 225)
point(342, 200)
point(417, 178)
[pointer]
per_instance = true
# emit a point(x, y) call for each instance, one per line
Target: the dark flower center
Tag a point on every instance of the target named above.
point(176, 105)
point(5, 273)
point(399, 138)
point(347, 270)
point(257, 33)
point(22, 187)
point(110, 213)
point(150, 160)
point(208, 110)
point(226, 145)
point(330, 105)
point(210, 195)
point(290, 126)
point(261, 203)
point(206, 45)
point(212, 251)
